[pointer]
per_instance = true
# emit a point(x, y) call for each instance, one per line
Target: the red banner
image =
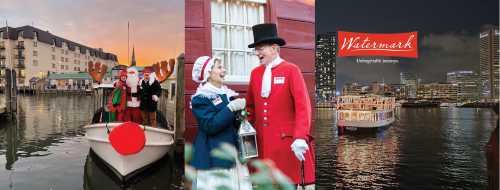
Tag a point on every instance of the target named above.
point(367, 44)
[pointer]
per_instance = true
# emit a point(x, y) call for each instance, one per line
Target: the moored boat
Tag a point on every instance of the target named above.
point(367, 111)
point(158, 140)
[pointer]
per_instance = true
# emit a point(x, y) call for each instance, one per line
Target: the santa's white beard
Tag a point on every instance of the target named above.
point(132, 82)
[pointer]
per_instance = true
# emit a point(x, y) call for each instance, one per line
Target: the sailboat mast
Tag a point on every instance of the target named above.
point(128, 43)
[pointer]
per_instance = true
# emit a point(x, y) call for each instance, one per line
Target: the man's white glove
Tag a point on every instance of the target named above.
point(155, 98)
point(237, 104)
point(299, 148)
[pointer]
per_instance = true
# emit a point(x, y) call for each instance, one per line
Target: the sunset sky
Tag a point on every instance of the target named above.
point(156, 27)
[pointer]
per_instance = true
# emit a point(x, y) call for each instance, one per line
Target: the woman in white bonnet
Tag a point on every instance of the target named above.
point(215, 107)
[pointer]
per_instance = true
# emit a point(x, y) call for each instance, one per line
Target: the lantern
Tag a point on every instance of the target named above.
point(247, 139)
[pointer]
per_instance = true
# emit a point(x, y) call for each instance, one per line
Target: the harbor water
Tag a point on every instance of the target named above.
point(426, 148)
point(44, 148)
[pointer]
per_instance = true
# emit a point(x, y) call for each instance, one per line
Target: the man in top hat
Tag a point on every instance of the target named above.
point(280, 109)
point(150, 91)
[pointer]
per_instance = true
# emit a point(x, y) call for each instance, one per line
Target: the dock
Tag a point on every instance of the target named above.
point(3, 107)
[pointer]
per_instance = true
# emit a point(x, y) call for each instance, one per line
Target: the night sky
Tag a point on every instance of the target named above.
point(448, 34)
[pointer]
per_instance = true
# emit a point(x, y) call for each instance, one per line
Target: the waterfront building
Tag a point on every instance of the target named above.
point(488, 62)
point(468, 84)
point(325, 67)
point(438, 91)
point(33, 53)
point(410, 80)
point(352, 89)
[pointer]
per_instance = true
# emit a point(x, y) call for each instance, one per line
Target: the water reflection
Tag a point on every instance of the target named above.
point(45, 147)
point(424, 149)
point(11, 157)
point(158, 176)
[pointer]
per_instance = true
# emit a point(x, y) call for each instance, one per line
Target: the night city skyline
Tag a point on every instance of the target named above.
point(448, 35)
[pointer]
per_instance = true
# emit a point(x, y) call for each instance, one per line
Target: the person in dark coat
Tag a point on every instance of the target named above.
point(149, 91)
point(215, 107)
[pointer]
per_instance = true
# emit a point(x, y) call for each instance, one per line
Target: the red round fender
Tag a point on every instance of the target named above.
point(127, 138)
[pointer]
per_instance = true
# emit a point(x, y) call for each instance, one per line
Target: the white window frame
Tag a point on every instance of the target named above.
point(236, 79)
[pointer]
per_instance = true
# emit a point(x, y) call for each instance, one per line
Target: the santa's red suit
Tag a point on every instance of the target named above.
point(281, 118)
point(133, 112)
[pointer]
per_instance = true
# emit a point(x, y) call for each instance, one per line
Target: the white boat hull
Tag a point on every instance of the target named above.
point(366, 124)
point(158, 143)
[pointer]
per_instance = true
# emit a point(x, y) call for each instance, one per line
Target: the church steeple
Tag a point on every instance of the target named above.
point(133, 63)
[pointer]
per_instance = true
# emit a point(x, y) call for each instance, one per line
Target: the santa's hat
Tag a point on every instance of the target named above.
point(132, 71)
point(201, 67)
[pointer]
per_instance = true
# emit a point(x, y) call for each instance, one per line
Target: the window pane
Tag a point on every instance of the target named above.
point(237, 61)
point(236, 13)
point(219, 33)
point(218, 11)
point(232, 32)
point(238, 41)
point(251, 61)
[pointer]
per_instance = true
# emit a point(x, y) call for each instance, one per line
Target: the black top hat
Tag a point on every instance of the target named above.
point(266, 33)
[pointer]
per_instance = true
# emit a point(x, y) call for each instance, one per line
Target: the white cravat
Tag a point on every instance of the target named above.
point(266, 78)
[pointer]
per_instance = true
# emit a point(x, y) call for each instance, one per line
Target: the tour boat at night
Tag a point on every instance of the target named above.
point(365, 111)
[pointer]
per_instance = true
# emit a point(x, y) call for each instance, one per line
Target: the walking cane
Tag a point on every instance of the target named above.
point(302, 178)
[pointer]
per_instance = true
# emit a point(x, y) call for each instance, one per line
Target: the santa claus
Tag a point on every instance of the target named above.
point(133, 102)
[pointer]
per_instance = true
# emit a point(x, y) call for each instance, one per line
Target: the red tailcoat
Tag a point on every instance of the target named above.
point(281, 118)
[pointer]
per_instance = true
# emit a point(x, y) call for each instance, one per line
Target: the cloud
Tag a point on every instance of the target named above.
point(156, 27)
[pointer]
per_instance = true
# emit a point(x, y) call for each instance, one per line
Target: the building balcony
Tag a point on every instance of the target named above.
point(21, 57)
point(20, 65)
point(21, 75)
point(19, 46)
point(2, 47)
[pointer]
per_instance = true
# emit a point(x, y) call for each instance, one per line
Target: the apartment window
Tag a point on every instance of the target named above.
point(62, 59)
point(53, 65)
point(66, 52)
point(62, 66)
point(53, 57)
point(66, 59)
point(22, 73)
point(35, 62)
point(232, 23)
point(35, 53)
point(35, 44)
point(67, 67)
